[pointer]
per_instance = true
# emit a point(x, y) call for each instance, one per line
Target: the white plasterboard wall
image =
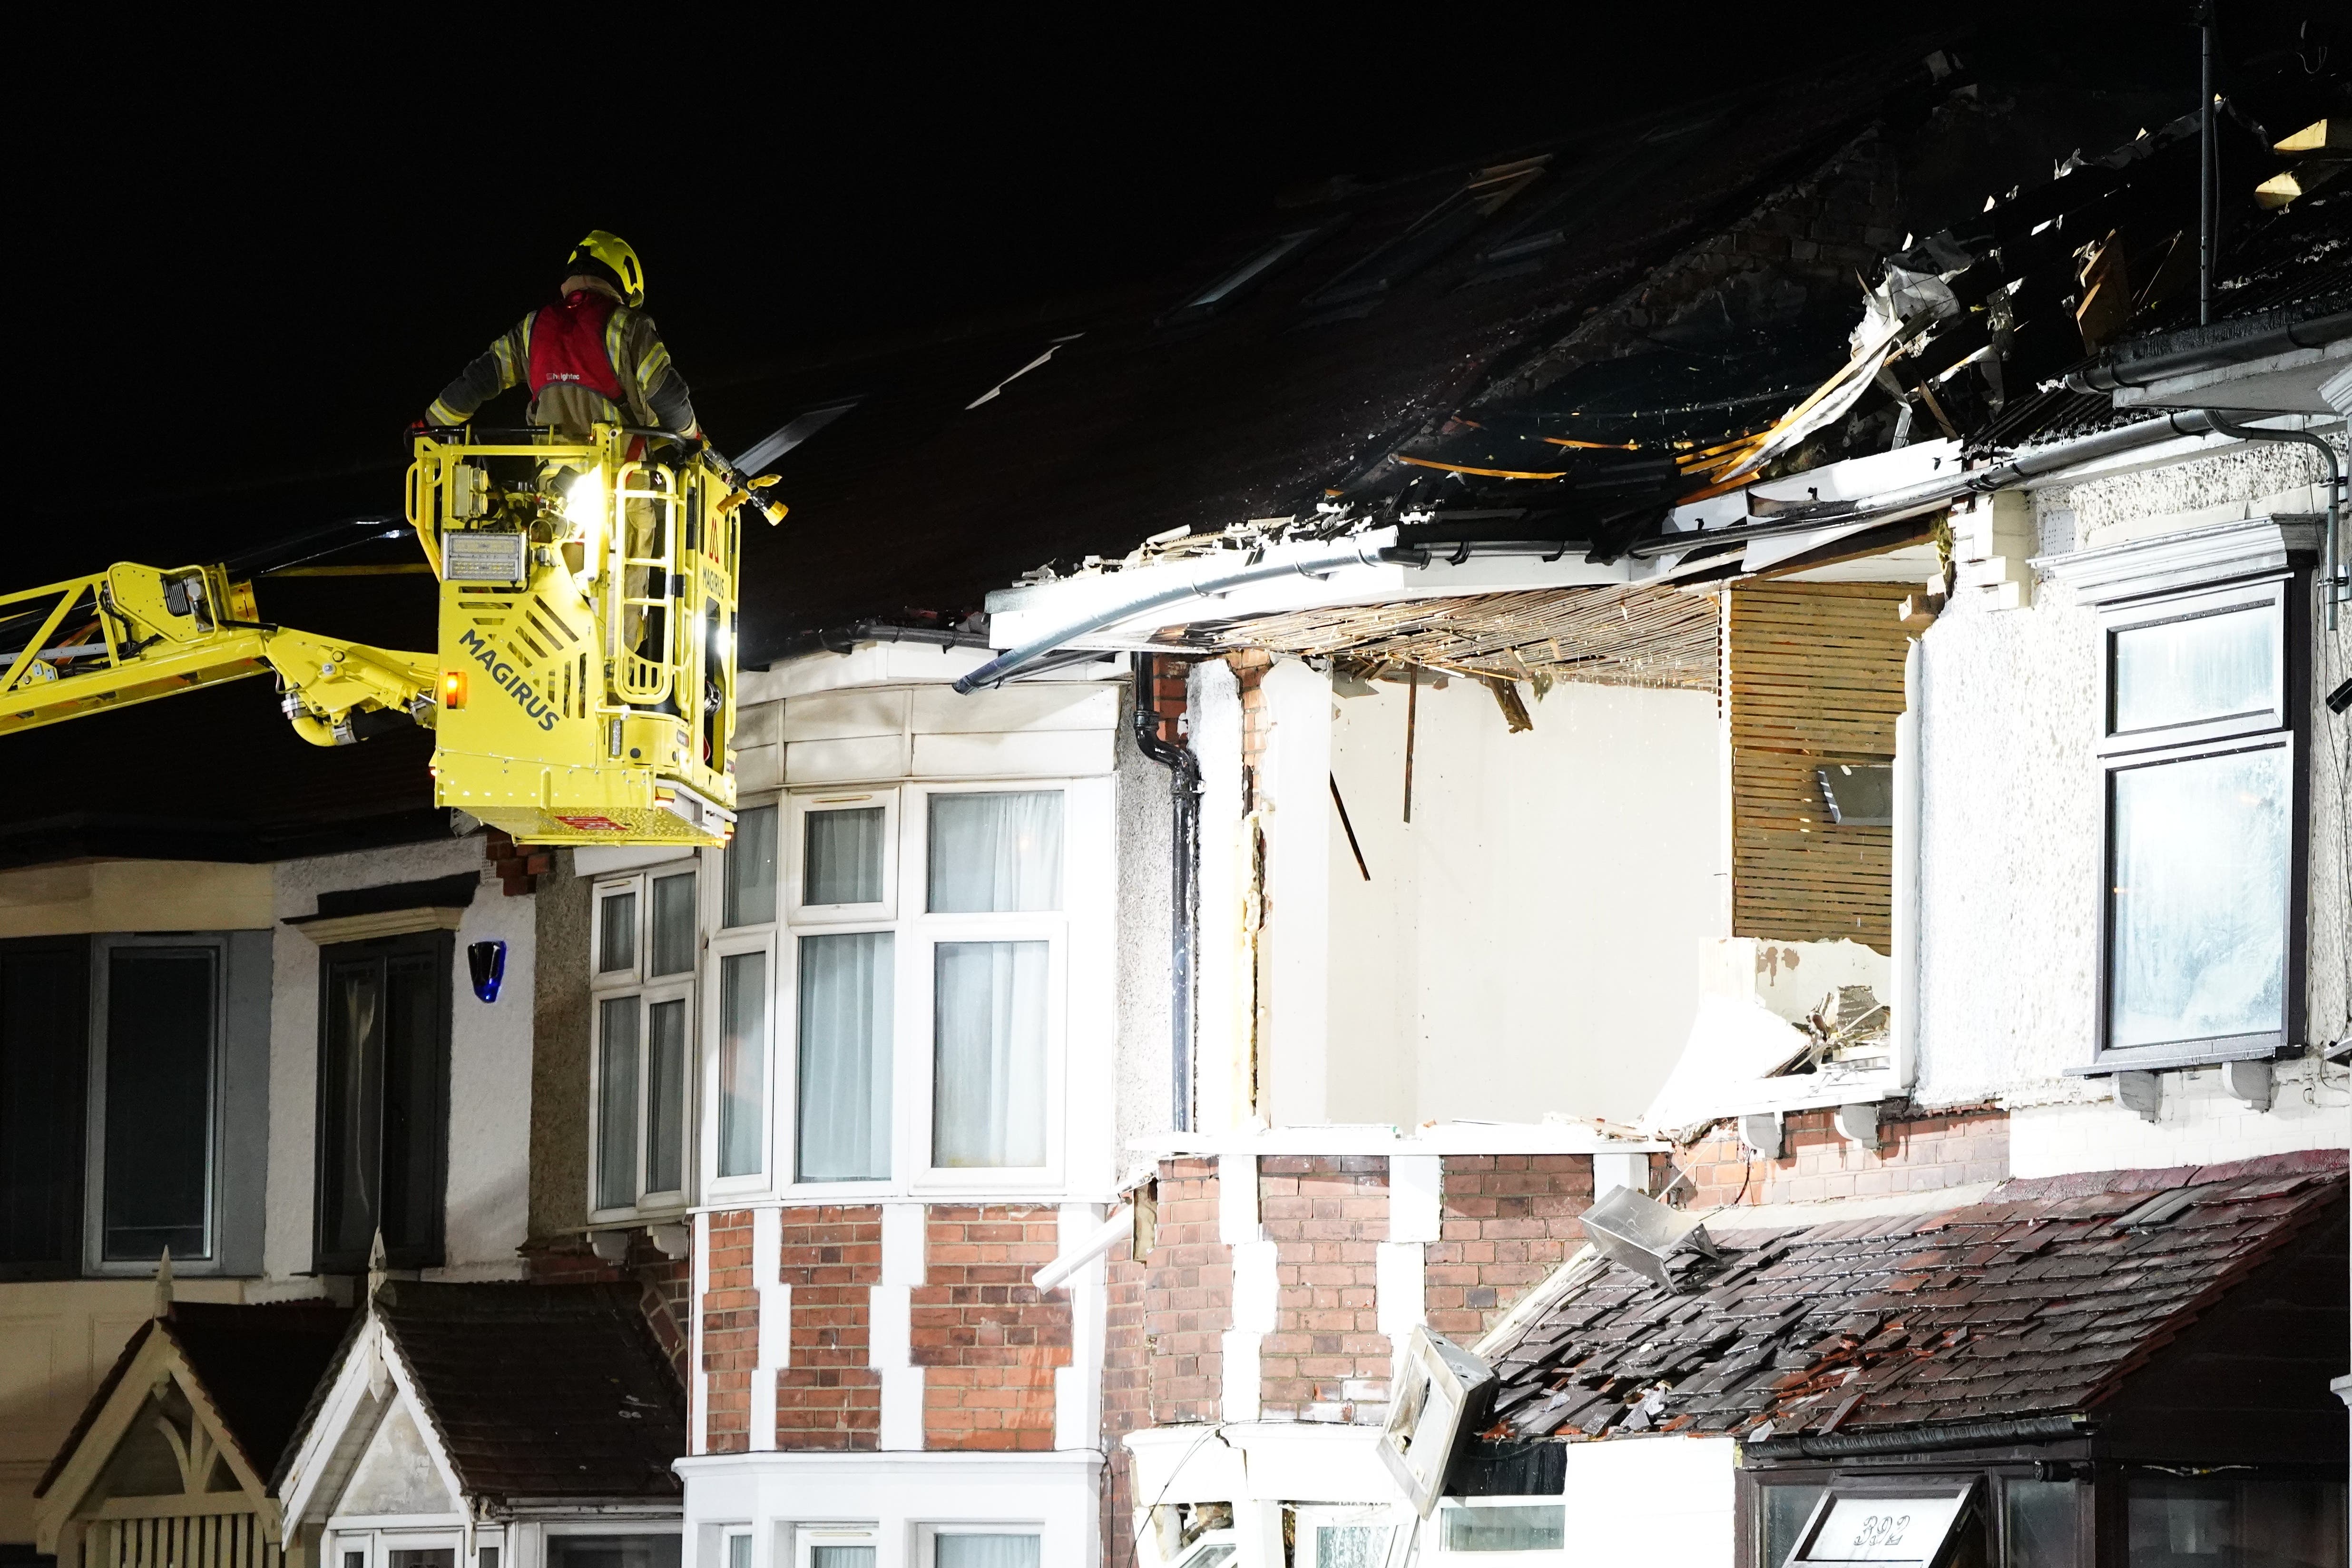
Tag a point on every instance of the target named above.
point(1532, 943)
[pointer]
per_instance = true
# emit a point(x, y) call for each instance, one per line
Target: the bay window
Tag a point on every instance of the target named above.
point(2202, 763)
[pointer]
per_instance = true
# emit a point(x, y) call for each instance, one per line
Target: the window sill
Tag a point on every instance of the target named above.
point(2186, 1054)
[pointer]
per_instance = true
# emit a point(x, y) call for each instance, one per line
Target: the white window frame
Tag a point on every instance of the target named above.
point(1086, 806)
point(634, 982)
point(807, 1537)
point(927, 1533)
point(557, 1528)
point(1309, 1518)
point(725, 941)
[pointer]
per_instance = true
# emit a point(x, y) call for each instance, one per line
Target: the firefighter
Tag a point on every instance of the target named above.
point(592, 356)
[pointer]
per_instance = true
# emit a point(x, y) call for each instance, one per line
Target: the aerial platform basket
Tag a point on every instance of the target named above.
point(587, 624)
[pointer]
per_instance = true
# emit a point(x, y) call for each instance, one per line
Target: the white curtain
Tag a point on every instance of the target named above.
point(751, 886)
point(987, 1552)
point(841, 857)
point(616, 1104)
point(665, 1098)
point(993, 854)
point(987, 1092)
point(742, 1065)
point(845, 1057)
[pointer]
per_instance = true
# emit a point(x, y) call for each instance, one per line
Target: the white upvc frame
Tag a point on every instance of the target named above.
point(376, 1541)
point(94, 1260)
point(634, 982)
point(806, 1538)
point(1083, 917)
point(927, 1536)
point(1436, 1547)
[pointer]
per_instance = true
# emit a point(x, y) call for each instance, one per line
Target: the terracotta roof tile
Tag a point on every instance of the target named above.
point(2031, 1301)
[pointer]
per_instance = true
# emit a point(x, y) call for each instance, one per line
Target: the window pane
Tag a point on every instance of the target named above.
point(665, 1098)
point(742, 1065)
point(987, 1552)
point(750, 890)
point(993, 852)
point(739, 1552)
point(613, 1551)
point(844, 1124)
point(424, 1557)
point(616, 934)
point(414, 1073)
point(2180, 672)
point(2042, 1529)
point(159, 1101)
point(616, 1104)
point(841, 1557)
point(1537, 1527)
point(1350, 1545)
point(43, 1045)
point(2233, 1519)
point(841, 857)
point(2200, 898)
point(350, 1112)
point(1781, 1512)
point(673, 944)
point(989, 1065)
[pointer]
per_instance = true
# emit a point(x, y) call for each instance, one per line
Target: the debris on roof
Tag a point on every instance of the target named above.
point(2042, 1299)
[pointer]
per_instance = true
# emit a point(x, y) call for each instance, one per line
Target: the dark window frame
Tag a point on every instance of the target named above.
point(425, 1251)
point(67, 1166)
point(1993, 1477)
point(2285, 724)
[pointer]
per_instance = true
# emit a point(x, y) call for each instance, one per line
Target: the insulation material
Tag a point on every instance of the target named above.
point(1638, 635)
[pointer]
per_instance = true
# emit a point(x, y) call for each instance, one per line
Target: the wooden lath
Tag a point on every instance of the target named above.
point(1815, 676)
point(1633, 636)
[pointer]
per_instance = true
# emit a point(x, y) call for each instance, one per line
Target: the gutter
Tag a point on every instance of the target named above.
point(1913, 1440)
point(2039, 463)
point(2331, 569)
point(1362, 549)
point(2142, 370)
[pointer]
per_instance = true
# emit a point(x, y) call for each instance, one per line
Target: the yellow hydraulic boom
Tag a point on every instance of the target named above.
point(583, 690)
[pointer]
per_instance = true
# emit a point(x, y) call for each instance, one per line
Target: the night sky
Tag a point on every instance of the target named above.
point(247, 259)
point(249, 268)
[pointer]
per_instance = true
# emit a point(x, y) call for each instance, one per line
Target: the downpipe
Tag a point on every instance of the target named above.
point(2332, 556)
point(1183, 889)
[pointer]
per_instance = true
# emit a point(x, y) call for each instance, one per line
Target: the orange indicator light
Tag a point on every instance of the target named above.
point(453, 689)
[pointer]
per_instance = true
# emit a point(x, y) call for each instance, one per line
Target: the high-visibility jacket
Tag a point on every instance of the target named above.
point(585, 358)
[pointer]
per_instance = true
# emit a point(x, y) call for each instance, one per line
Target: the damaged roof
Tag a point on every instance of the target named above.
point(2041, 1300)
point(541, 1391)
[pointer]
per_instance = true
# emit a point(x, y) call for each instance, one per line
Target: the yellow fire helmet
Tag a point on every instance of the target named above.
point(614, 252)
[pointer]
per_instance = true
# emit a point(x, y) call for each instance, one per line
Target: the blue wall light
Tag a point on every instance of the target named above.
point(487, 960)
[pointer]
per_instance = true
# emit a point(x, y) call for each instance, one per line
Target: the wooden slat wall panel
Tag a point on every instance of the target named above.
point(202, 1541)
point(1814, 675)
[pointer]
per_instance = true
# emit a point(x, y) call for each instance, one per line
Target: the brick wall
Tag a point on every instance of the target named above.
point(667, 1283)
point(1125, 1398)
point(1188, 1293)
point(1325, 1359)
point(1505, 1221)
point(730, 1333)
point(1249, 667)
point(1918, 1153)
point(1171, 695)
point(827, 1397)
point(988, 1341)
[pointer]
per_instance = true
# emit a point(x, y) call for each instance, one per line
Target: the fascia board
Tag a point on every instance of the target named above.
point(2295, 380)
point(345, 1399)
point(91, 1455)
point(1456, 1138)
point(1038, 611)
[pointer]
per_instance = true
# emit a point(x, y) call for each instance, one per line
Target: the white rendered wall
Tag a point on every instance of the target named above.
point(2011, 846)
point(488, 1191)
point(1533, 942)
point(1651, 1500)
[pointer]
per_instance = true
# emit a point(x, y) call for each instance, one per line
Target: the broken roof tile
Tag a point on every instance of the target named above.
point(2030, 1301)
